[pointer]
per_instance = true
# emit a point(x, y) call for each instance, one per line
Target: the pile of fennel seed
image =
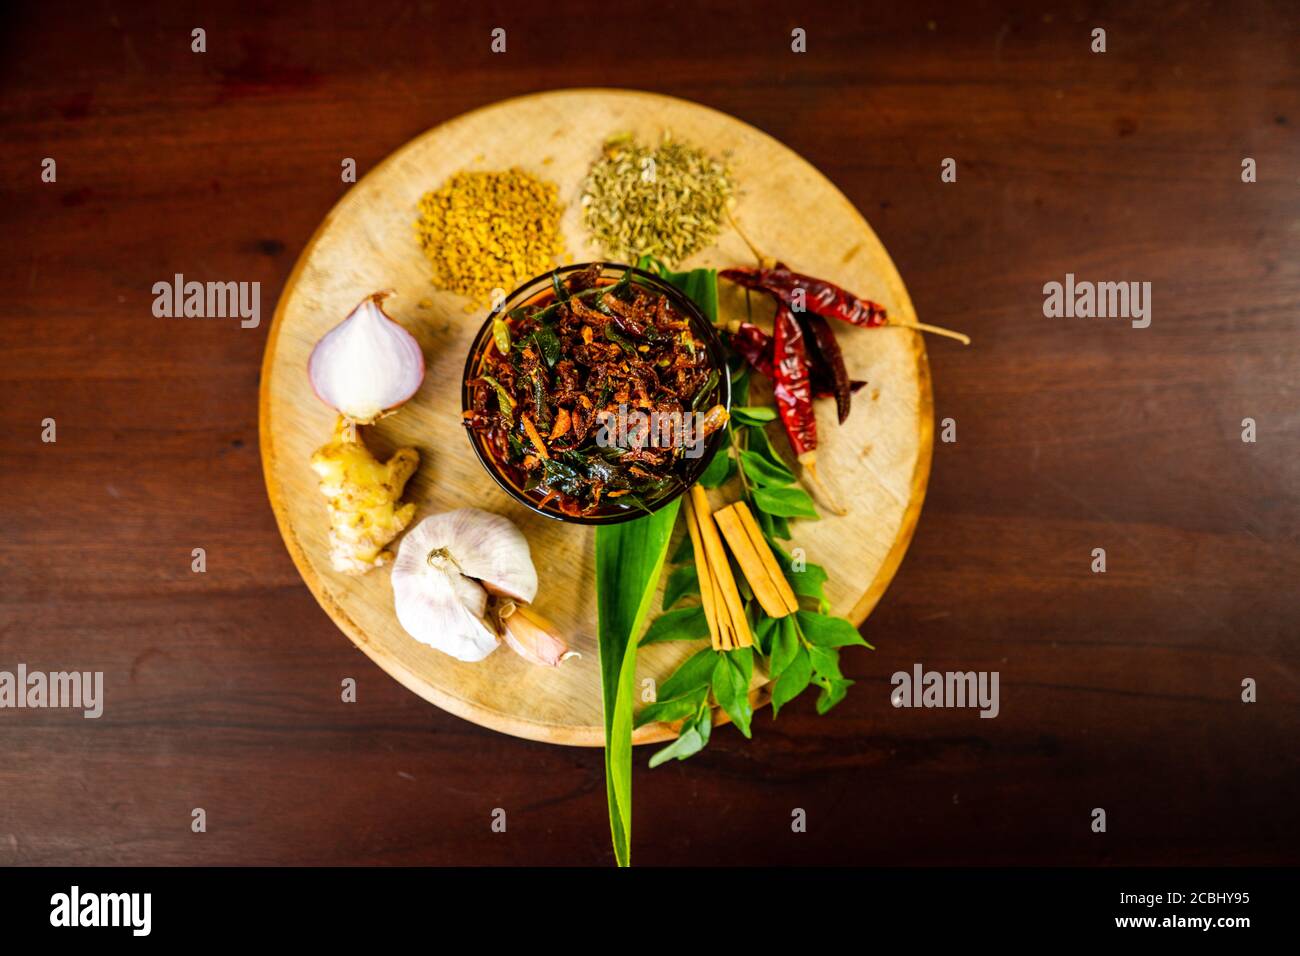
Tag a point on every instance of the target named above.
point(482, 231)
point(667, 201)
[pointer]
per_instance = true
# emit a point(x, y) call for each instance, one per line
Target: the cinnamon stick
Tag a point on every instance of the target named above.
point(717, 556)
point(708, 593)
point(755, 533)
point(750, 556)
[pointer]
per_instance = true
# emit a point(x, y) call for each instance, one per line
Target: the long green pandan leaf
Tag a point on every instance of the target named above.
point(629, 559)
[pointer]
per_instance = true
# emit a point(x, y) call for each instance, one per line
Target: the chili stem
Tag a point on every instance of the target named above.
point(961, 337)
point(764, 262)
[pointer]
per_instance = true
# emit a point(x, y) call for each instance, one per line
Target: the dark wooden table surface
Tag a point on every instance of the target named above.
point(1119, 690)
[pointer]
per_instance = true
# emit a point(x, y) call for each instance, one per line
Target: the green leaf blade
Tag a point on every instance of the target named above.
point(786, 502)
point(683, 624)
point(681, 582)
point(693, 673)
point(758, 415)
point(720, 469)
point(827, 631)
point(629, 559)
point(793, 681)
point(833, 692)
point(763, 471)
point(689, 742)
point(785, 645)
point(730, 682)
point(667, 711)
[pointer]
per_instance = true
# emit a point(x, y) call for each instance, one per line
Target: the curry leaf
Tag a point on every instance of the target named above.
point(681, 582)
point(694, 735)
point(833, 690)
point(548, 343)
point(809, 582)
point(825, 661)
point(730, 681)
point(827, 631)
point(787, 502)
point(707, 389)
point(753, 414)
point(785, 644)
point(719, 469)
point(684, 624)
point(674, 709)
point(807, 579)
point(759, 442)
point(763, 631)
point(740, 385)
point(682, 551)
point(793, 680)
point(693, 673)
point(763, 471)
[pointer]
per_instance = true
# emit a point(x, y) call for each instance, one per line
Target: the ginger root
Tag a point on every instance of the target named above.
point(362, 495)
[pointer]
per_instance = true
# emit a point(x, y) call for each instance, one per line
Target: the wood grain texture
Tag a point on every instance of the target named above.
point(1118, 690)
point(879, 458)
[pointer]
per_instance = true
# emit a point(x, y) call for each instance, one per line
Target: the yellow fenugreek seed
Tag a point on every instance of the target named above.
point(484, 230)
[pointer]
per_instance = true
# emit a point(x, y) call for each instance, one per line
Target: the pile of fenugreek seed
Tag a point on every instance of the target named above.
point(667, 201)
point(490, 230)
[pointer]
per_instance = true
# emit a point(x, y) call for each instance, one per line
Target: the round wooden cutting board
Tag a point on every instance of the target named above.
point(878, 461)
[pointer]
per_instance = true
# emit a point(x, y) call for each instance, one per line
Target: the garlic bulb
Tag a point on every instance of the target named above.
point(450, 570)
point(367, 364)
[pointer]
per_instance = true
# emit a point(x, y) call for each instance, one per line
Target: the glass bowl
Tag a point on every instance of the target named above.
point(538, 291)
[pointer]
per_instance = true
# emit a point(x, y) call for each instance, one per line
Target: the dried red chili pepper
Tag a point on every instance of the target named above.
point(802, 293)
point(793, 390)
point(827, 361)
point(755, 346)
point(793, 393)
point(805, 293)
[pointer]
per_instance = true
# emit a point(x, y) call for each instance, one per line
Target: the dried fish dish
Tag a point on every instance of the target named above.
point(596, 391)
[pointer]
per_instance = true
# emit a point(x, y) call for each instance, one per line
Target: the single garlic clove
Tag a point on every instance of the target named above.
point(442, 609)
point(533, 637)
point(367, 364)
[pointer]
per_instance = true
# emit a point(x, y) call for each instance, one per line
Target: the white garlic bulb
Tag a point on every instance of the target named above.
point(449, 569)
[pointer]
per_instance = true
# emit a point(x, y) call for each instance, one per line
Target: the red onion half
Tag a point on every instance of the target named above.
point(367, 364)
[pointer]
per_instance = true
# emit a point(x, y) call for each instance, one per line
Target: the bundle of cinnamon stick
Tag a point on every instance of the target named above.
point(728, 626)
